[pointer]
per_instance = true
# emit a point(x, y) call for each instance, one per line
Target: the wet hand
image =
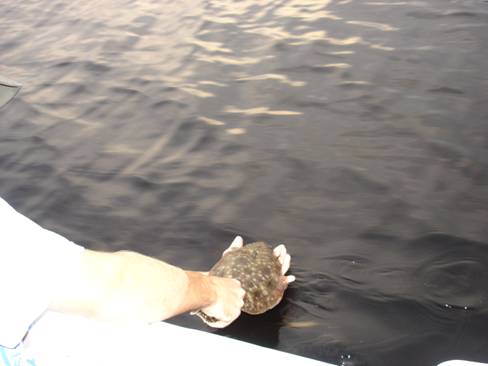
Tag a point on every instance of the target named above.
point(285, 259)
point(229, 299)
point(230, 295)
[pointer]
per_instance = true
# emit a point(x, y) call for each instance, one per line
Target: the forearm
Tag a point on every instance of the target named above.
point(129, 286)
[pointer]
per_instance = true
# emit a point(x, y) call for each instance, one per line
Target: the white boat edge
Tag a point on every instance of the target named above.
point(461, 363)
point(66, 340)
point(59, 339)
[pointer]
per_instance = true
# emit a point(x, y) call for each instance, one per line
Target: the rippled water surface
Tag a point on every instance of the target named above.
point(354, 131)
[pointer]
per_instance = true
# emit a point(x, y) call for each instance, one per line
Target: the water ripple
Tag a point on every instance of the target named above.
point(348, 130)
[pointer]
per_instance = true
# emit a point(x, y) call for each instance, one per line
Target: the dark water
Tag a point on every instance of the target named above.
point(354, 131)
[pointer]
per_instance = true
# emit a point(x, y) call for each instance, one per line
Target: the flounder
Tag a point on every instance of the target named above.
point(259, 272)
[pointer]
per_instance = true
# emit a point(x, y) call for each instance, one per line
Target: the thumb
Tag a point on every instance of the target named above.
point(237, 243)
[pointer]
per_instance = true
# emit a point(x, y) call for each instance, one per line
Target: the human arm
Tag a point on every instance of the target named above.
point(127, 286)
point(41, 270)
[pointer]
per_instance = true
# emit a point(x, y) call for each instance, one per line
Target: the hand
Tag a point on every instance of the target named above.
point(230, 295)
point(227, 306)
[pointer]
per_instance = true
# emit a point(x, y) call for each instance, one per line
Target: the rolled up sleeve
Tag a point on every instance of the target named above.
point(32, 260)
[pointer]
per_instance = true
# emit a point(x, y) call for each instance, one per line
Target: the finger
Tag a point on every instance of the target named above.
point(278, 249)
point(236, 244)
point(284, 254)
point(223, 321)
point(290, 279)
point(286, 264)
point(218, 324)
point(280, 252)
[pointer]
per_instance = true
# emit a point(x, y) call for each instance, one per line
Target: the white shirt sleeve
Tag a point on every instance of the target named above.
point(32, 259)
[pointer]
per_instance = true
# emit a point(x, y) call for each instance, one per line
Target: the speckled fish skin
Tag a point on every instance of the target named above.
point(258, 270)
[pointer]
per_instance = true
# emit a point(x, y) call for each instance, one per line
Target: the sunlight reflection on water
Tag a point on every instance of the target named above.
point(352, 131)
